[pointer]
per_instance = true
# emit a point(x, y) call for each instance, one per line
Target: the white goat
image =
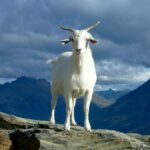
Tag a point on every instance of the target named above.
point(74, 75)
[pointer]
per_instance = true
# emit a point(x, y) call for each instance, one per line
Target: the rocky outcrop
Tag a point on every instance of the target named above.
point(25, 134)
point(5, 142)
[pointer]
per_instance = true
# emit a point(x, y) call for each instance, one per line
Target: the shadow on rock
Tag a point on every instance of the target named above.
point(24, 141)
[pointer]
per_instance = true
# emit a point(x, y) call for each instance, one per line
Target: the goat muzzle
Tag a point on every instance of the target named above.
point(78, 51)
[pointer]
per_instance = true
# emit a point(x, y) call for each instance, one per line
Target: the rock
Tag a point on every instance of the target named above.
point(5, 142)
point(26, 134)
point(24, 140)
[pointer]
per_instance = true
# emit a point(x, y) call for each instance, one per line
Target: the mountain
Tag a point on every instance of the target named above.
point(131, 113)
point(26, 97)
point(112, 95)
point(30, 98)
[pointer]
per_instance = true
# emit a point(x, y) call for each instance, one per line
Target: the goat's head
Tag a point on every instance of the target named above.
point(80, 39)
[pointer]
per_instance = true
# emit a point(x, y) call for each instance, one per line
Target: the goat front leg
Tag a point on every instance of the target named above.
point(73, 122)
point(68, 99)
point(53, 106)
point(87, 101)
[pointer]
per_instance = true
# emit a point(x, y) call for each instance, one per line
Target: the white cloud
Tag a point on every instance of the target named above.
point(28, 40)
point(29, 35)
point(115, 72)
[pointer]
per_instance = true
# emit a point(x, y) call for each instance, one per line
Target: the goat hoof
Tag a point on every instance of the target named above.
point(67, 127)
point(89, 130)
point(52, 122)
point(73, 123)
point(87, 127)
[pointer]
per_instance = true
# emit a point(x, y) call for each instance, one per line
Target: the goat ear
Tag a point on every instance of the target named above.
point(93, 41)
point(65, 41)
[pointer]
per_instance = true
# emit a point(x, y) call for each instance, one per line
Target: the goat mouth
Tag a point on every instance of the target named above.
point(78, 52)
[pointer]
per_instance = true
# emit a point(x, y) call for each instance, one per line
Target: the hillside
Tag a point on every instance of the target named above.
point(131, 113)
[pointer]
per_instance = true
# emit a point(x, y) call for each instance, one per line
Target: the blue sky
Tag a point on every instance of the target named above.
point(30, 35)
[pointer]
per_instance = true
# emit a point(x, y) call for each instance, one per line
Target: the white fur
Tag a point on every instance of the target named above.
point(74, 75)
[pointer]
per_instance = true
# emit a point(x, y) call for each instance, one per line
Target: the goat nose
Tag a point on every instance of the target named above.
point(79, 50)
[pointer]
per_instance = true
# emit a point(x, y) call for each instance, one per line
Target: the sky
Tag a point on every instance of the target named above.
point(30, 35)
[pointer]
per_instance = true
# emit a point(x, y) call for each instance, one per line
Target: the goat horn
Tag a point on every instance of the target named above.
point(93, 26)
point(66, 28)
